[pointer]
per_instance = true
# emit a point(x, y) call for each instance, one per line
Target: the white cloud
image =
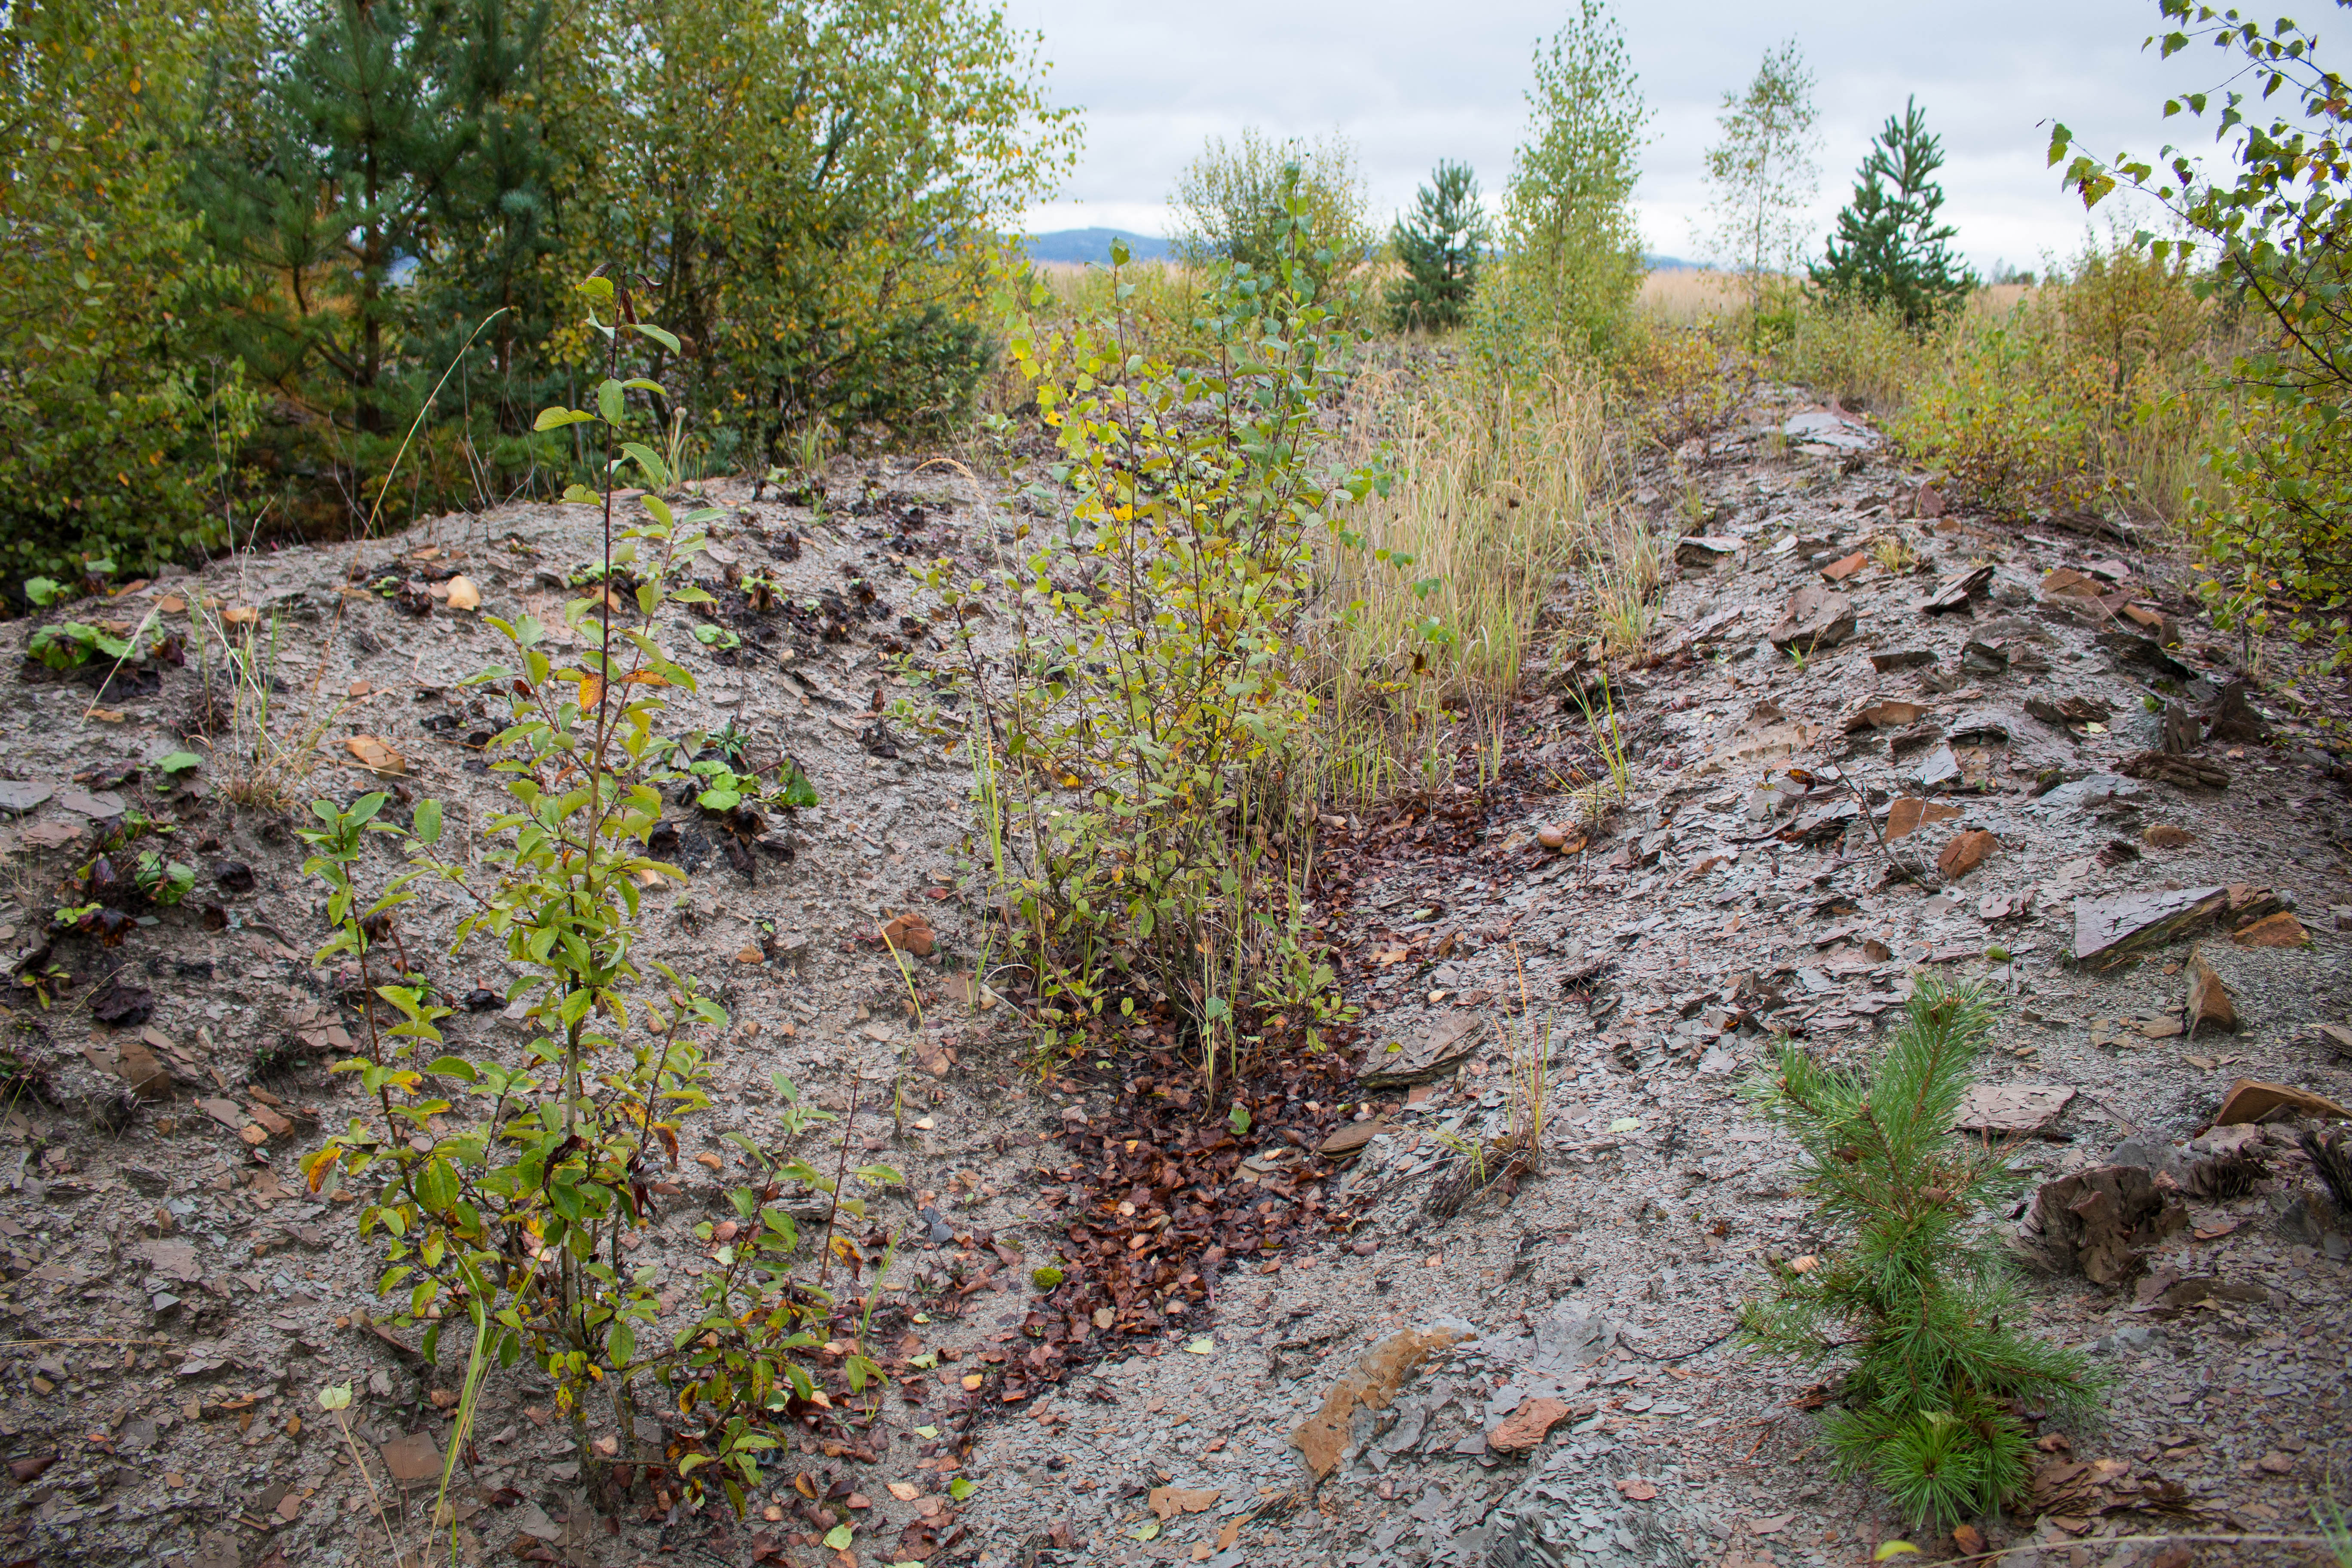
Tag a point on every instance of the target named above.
point(1411, 83)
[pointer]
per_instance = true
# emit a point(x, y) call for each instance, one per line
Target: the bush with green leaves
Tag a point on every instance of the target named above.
point(2271, 225)
point(1135, 774)
point(503, 1190)
point(1234, 204)
point(1762, 174)
point(1889, 250)
point(1441, 248)
point(1913, 1296)
point(121, 426)
point(1571, 256)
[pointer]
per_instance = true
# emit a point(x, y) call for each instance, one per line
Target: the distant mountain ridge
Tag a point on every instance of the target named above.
point(1093, 245)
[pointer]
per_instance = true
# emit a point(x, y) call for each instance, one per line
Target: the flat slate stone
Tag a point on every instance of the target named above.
point(98, 804)
point(2105, 928)
point(20, 798)
point(1444, 1047)
point(2013, 1110)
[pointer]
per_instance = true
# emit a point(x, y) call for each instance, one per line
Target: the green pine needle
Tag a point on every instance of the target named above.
point(1915, 1297)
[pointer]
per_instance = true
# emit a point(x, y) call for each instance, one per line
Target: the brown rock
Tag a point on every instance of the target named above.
point(2233, 717)
point(2181, 730)
point(1438, 1051)
point(1350, 1138)
point(2209, 1000)
point(1816, 619)
point(1888, 715)
point(413, 1458)
point(2281, 929)
point(2102, 1220)
point(2163, 835)
point(2011, 1111)
point(2108, 928)
point(1956, 594)
point(1910, 659)
point(1526, 1426)
point(1910, 813)
point(1372, 1382)
point(2181, 773)
point(2251, 1100)
point(1840, 570)
point(1964, 853)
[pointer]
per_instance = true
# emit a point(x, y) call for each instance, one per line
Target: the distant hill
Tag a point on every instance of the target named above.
point(1093, 245)
point(1672, 264)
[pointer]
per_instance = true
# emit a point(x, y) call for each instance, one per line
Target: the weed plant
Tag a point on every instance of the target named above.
point(1914, 1295)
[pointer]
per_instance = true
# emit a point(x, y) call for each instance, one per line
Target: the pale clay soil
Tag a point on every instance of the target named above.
point(175, 1300)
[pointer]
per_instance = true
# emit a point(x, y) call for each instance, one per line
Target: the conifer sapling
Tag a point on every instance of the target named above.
point(1916, 1291)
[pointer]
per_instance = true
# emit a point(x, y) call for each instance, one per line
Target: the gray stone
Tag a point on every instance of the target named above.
point(20, 798)
point(2151, 1152)
point(2106, 927)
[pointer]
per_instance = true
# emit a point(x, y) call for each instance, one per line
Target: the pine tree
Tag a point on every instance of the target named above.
point(375, 150)
point(1916, 1295)
point(1888, 248)
point(1440, 246)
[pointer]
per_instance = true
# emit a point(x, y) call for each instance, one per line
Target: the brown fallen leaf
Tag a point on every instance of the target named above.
point(1169, 1501)
point(1229, 1535)
point(910, 932)
point(1635, 1487)
point(376, 754)
point(240, 615)
point(904, 1492)
point(463, 595)
point(1965, 1537)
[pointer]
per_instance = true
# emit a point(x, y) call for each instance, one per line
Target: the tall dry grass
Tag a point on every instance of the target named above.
point(1431, 623)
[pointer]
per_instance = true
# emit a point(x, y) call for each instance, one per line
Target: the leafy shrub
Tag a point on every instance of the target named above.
point(1440, 246)
point(2096, 392)
point(69, 644)
point(1680, 383)
point(1914, 1292)
point(1572, 257)
point(1236, 204)
point(514, 1211)
point(118, 436)
point(1848, 349)
point(2273, 219)
point(1139, 763)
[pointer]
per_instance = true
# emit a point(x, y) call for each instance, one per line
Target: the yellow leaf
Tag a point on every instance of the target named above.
point(591, 691)
point(1887, 1549)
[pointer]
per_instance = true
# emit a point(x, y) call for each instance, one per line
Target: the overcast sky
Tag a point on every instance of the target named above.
point(1411, 83)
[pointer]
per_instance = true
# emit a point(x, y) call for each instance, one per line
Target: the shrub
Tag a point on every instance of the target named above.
point(514, 1210)
point(1440, 248)
point(1851, 349)
point(1913, 1293)
point(1236, 204)
point(1571, 258)
point(118, 435)
point(2277, 231)
point(1140, 758)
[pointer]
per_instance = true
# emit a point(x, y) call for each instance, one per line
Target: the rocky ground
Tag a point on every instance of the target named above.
point(2019, 761)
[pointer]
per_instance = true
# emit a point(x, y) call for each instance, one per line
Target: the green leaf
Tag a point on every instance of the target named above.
point(556, 418)
point(621, 1346)
point(178, 763)
point(426, 822)
point(960, 1488)
point(666, 340)
point(1238, 1118)
point(839, 1537)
